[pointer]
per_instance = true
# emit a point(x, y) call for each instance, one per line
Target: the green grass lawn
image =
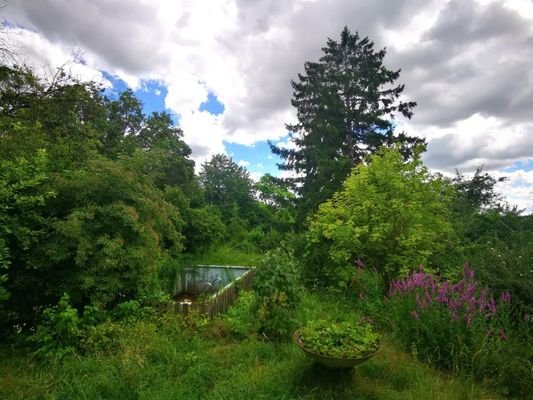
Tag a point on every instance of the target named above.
point(160, 359)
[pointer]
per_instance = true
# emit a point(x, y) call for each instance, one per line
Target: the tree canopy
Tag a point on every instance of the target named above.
point(346, 104)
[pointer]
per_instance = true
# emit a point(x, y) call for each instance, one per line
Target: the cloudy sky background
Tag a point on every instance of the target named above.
point(224, 68)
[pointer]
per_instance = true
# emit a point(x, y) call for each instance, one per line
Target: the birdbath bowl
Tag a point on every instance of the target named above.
point(331, 362)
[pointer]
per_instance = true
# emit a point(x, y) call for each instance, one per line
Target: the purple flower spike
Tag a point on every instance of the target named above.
point(506, 297)
point(492, 306)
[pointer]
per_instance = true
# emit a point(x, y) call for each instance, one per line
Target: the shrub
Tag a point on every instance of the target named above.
point(58, 334)
point(461, 326)
point(277, 285)
point(390, 213)
point(240, 318)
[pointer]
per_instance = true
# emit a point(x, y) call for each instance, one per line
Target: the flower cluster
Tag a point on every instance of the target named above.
point(464, 299)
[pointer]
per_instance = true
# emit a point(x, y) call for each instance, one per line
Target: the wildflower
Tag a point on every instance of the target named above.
point(359, 263)
point(443, 290)
point(492, 306)
point(415, 315)
point(502, 335)
point(470, 291)
point(483, 300)
point(506, 297)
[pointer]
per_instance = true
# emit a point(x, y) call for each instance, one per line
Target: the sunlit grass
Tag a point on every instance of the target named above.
point(225, 255)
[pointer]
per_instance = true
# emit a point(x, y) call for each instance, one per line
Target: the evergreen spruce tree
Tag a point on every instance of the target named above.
point(346, 104)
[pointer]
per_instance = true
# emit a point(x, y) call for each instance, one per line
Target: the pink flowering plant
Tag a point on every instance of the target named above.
point(459, 326)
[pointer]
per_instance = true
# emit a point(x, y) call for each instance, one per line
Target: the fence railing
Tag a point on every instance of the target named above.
point(217, 303)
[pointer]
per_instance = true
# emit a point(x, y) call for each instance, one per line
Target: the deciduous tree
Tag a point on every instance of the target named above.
point(391, 215)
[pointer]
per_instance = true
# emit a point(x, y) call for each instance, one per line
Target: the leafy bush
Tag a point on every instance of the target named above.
point(391, 214)
point(58, 334)
point(500, 247)
point(461, 326)
point(340, 340)
point(277, 285)
point(24, 190)
point(112, 233)
point(240, 318)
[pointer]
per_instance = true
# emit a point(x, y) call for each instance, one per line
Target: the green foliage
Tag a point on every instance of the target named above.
point(339, 340)
point(345, 103)
point(274, 192)
point(87, 215)
point(367, 290)
point(391, 214)
point(24, 190)
point(225, 184)
point(476, 193)
point(117, 229)
point(58, 334)
point(241, 318)
point(500, 247)
point(278, 288)
point(204, 228)
point(61, 115)
point(496, 240)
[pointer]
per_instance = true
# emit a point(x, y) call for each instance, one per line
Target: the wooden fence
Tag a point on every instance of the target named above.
point(219, 302)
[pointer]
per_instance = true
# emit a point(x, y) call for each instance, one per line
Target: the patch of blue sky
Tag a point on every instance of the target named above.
point(212, 105)
point(527, 166)
point(258, 159)
point(151, 94)
point(117, 85)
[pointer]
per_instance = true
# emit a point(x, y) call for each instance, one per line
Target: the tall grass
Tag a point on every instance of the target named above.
point(169, 358)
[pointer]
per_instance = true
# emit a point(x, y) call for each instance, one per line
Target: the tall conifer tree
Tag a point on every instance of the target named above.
point(346, 104)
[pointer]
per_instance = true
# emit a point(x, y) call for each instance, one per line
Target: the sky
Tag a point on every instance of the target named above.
point(223, 69)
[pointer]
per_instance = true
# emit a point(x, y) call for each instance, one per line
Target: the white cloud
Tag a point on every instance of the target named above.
point(255, 176)
point(45, 57)
point(518, 188)
point(243, 163)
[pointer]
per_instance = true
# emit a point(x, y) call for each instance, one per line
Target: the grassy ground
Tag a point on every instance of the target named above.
point(163, 359)
point(226, 370)
point(225, 255)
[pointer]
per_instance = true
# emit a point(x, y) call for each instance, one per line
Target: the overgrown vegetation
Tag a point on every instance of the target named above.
point(164, 357)
point(349, 339)
point(100, 209)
